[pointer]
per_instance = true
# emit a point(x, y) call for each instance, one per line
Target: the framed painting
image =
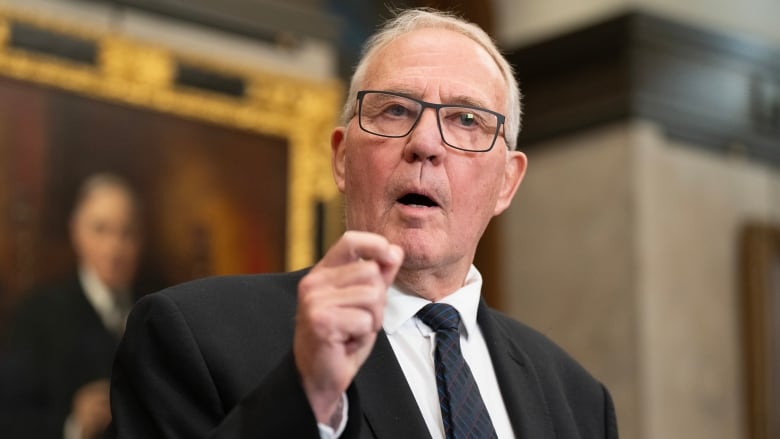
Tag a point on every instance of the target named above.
point(232, 165)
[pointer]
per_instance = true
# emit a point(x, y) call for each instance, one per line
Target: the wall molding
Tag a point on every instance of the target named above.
point(708, 88)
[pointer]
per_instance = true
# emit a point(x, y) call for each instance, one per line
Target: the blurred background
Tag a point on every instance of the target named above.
point(645, 238)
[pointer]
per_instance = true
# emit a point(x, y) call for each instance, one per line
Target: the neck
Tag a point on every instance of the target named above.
point(431, 284)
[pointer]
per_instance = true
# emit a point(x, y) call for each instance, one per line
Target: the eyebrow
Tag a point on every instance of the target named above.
point(467, 100)
point(457, 100)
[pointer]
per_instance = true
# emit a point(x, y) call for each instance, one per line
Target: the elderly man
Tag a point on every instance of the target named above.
point(386, 336)
point(55, 372)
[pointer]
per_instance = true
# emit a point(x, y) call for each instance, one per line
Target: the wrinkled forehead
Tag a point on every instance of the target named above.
point(438, 63)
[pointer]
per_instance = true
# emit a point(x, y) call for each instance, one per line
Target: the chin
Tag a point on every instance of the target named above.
point(416, 257)
point(116, 282)
point(415, 265)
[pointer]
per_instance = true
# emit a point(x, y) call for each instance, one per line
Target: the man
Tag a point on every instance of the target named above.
point(55, 372)
point(346, 349)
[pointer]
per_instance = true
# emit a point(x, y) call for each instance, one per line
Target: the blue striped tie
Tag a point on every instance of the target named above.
point(462, 410)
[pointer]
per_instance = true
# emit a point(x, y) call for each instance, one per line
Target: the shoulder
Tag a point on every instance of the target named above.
point(237, 327)
point(59, 290)
point(268, 286)
point(45, 313)
point(51, 298)
point(226, 299)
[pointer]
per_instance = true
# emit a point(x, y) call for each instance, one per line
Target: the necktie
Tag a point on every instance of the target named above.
point(462, 410)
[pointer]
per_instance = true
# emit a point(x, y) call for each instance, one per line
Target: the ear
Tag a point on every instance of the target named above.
point(514, 171)
point(338, 155)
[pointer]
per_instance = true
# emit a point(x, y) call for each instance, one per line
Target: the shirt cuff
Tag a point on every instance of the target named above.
point(326, 431)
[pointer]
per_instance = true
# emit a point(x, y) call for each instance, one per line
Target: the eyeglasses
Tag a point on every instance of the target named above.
point(463, 127)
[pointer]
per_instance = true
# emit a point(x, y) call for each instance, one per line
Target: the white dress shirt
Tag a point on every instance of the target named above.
point(413, 343)
point(111, 307)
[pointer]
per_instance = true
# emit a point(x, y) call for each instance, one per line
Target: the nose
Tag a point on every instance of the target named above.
point(425, 142)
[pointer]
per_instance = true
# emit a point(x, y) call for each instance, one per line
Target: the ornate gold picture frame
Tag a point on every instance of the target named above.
point(211, 109)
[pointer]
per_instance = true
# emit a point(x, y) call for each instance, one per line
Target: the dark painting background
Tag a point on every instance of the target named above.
point(214, 197)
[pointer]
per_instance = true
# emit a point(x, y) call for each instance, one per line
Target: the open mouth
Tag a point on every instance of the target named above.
point(414, 199)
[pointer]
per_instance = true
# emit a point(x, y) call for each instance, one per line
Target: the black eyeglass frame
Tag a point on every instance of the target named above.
point(501, 118)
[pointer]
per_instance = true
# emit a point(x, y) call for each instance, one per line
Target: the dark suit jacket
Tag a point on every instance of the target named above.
point(212, 358)
point(56, 344)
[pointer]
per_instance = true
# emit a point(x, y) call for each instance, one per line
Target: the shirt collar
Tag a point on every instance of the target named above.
point(96, 291)
point(402, 306)
point(98, 294)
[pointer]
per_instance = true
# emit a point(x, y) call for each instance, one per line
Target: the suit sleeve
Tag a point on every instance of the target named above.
point(162, 387)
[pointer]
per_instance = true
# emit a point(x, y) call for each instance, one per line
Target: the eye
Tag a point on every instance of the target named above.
point(467, 119)
point(396, 110)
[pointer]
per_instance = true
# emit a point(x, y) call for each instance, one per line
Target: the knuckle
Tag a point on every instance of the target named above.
point(364, 322)
point(319, 322)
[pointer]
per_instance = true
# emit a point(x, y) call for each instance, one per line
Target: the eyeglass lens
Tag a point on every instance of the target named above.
point(462, 127)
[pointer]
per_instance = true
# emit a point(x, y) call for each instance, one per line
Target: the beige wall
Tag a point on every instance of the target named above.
point(625, 251)
point(692, 205)
point(571, 266)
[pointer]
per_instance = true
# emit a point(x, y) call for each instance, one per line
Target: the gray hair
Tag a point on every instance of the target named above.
point(425, 18)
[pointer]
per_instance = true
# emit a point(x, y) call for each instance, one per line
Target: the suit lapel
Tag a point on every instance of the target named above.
point(389, 407)
point(390, 410)
point(520, 386)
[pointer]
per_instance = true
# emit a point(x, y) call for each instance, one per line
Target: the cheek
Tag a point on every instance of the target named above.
point(89, 246)
point(476, 192)
point(129, 251)
point(366, 175)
